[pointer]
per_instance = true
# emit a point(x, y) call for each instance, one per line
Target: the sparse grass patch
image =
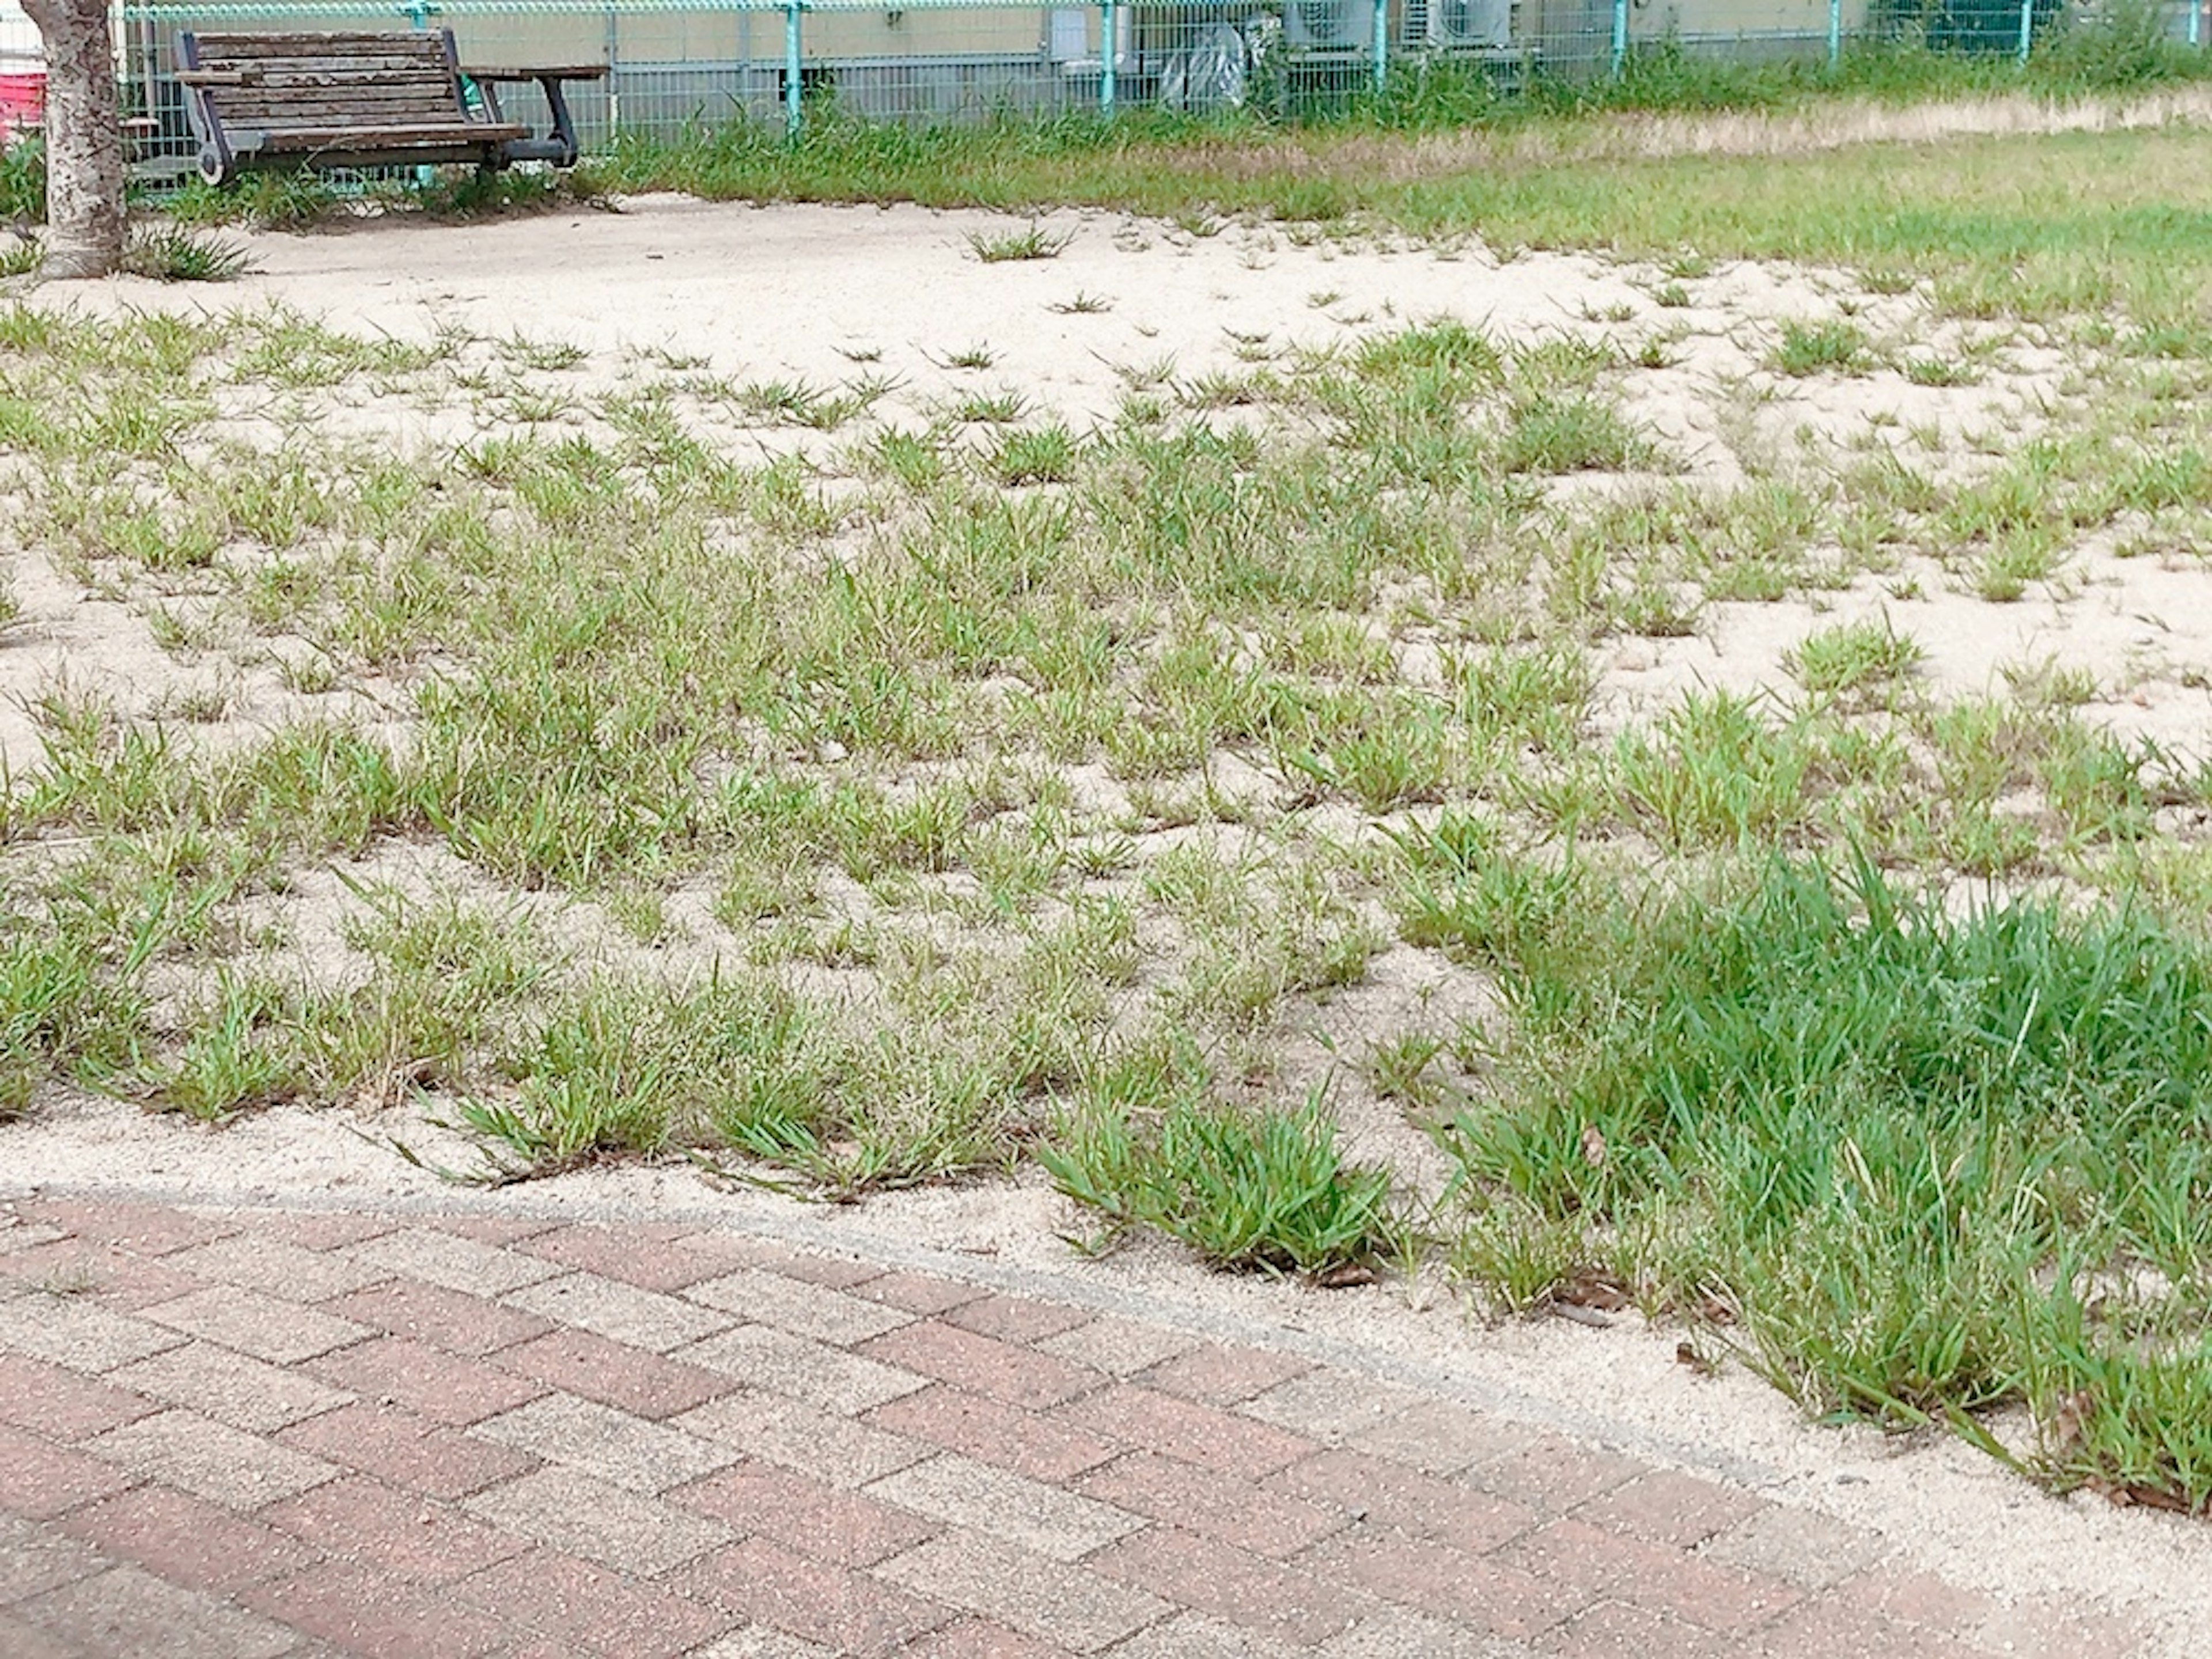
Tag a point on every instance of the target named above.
point(1034, 243)
point(1818, 348)
point(1269, 1191)
point(1852, 658)
point(180, 253)
point(1578, 432)
point(1034, 455)
point(1001, 408)
point(1931, 371)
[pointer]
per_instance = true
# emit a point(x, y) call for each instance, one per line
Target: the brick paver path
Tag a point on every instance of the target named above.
point(245, 1433)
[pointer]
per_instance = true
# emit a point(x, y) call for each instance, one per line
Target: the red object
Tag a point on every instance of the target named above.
point(22, 102)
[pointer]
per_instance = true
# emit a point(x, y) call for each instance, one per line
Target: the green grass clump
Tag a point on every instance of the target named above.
point(1812, 348)
point(1269, 1191)
point(1037, 455)
point(1852, 657)
point(179, 253)
point(267, 198)
point(1931, 1162)
point(1574, 433)
point(1034, 243)
point(66, 1004)
point(23, 182)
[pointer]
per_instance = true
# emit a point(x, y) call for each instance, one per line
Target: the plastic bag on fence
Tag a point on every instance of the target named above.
point(1209, 74)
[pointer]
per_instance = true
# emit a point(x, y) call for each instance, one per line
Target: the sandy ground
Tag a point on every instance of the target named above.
point(826, 294)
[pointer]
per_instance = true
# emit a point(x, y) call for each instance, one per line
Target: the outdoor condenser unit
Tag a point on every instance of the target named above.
point(1328, 25)
point(1471, 23)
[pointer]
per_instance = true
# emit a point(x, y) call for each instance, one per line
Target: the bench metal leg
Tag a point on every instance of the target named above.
point(564, 126)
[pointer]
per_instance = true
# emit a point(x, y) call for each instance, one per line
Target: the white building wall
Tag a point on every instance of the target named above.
point(19, 41)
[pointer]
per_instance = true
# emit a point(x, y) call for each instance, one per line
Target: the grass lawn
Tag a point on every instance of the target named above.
point(945, 792)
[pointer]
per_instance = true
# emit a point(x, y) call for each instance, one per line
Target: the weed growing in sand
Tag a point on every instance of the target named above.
point(179, 253)
point(1034, 243)
point(1572, 433)
point(1931, 371)
point(1082, 303)
point(1271, 1191)
point(990, 408)
point(1852, 658)
point(271, 199)
point(1819, 347)
point(1034, 456)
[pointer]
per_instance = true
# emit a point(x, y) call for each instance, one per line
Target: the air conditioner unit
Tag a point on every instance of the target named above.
point(1484, 24)
point(1328, 25)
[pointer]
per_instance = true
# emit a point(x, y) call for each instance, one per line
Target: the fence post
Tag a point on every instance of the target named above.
point(1109, 28)
point(791, 115)
point(614, 79)
point(1382, 45)
point(2195, 23)
point(1835, 33)
point(2026, 27)
point(1620, 37)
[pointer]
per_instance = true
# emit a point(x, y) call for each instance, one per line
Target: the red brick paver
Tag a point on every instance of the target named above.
point(187, 1541)
point(487, 1434)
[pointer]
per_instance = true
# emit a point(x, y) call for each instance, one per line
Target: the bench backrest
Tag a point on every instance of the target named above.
point(340, 82)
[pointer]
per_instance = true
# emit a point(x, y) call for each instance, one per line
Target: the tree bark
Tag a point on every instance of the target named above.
point(84, 137)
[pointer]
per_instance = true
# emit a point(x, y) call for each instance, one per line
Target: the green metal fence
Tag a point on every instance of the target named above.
point(674, 64)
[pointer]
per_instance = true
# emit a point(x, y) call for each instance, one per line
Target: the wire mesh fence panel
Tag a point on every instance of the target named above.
point(1741, 29)
point(933, 62)
point(673, 66)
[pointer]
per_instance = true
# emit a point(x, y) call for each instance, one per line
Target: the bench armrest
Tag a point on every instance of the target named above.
point(216, 77)
point(559, 72)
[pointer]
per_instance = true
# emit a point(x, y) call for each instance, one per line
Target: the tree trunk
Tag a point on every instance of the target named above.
point(84, 139)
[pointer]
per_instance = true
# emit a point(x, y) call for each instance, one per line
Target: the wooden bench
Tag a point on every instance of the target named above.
point(359, 99)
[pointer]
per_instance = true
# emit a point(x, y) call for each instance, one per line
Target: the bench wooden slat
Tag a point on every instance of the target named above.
point(427, 74)
point(261, 67)
point(234, 104)
point(291, 115)
point(375, 43)
point(391, 137)
point(252, 68)
point(328, 121)
point(420, 92)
